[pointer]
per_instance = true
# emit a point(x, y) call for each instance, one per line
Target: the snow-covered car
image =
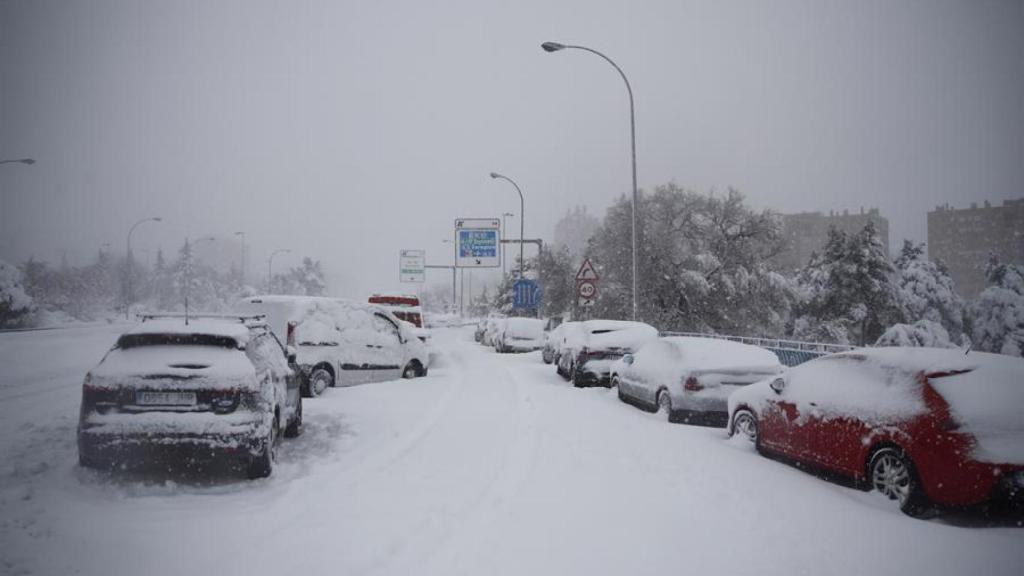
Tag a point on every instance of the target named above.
point(926, 427)
point(211, 388)
point(689, 380)
point(341, 342)
point(519, 335)
point(491, 324)
point(587, 353)
point(554, 339)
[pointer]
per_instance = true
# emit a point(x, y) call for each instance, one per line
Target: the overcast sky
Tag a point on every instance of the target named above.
point(349, 130)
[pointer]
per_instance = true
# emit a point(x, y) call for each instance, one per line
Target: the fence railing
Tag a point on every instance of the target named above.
point(790, 352)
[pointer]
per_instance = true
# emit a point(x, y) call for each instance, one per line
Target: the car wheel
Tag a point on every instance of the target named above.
point(665, 404)
point(618, 389)
point(319, 380)
point(745, 424)
point(294, 429)
point(891, 473)
point(263, 464)
point(576, 376)
point(410, 371)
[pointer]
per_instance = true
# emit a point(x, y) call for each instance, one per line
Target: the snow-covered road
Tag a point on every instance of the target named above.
point(491, 465)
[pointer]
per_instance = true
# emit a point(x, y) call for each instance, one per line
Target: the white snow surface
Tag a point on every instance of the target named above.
point(607, 334)
point(490, 465)
point(526, 328)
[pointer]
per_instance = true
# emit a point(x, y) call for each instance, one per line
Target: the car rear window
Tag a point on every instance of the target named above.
point(138, 340)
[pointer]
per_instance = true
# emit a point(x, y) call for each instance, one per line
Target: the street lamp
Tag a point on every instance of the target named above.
point(504, 269)
point(555, 47)
point(522, 216)
point(270, 266)
point(455, 261)
point(26, 161)
point(129, 296)
point(242, 267)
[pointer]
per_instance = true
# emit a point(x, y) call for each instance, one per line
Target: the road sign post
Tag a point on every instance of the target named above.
point(526, 295)
point(586, 284)
point(412, 266)
point(476, 242)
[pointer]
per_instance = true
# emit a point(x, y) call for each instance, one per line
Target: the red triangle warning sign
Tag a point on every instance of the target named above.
point(587, 271)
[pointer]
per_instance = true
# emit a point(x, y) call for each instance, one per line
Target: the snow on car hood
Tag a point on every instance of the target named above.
point(175, 366)
point(988, 403)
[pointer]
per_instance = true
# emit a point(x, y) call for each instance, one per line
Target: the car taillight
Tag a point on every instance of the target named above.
point(692, 384)
point(290, 336)
point(96, 397)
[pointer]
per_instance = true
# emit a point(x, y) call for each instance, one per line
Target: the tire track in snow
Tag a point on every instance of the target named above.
point(452, 543)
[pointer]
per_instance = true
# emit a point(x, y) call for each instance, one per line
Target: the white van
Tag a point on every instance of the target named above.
point(341, 342)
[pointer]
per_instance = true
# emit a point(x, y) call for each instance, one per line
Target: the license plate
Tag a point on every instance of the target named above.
point(165, 398)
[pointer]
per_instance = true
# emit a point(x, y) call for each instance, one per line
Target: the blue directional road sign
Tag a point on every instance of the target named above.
point(526, 294)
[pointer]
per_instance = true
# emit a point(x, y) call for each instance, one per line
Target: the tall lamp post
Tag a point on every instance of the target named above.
point(522, 215)
point(25, 161)
point(129, 297)
point(270, 266)
point(455, 261)
point(504, 268)
point(242, 267)
point(555, 47)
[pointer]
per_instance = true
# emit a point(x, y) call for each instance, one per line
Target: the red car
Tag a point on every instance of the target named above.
point(926, 427)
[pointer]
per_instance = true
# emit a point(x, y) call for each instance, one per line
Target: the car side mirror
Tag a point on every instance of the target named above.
point(628, 359)
point(778, 385)
point(291, 353)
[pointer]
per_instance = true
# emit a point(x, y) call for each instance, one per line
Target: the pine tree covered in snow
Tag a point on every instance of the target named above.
point(998, 313)
point(927, 291)
point(849, 293)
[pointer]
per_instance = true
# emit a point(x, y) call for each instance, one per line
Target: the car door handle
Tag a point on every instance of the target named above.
point(815, 404)
point(372, 346)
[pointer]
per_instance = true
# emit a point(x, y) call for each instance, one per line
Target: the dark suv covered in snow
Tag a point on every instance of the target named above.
point(206, 389)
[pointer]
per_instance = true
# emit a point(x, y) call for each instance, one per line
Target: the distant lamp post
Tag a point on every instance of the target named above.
point(504, 268)
point(522, 215)
point(25, 161)
point(555, 47)
point(242, 266)
point(455, 261)
point(129, 296)
point(270, 266)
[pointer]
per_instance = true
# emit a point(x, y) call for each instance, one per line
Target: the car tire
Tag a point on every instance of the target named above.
point(262, 465)
point(745, 423)
point(664, 403)
point(410, 371)
point(892, 473)
point(294, 429)
point(320, 379)
point(577, 377)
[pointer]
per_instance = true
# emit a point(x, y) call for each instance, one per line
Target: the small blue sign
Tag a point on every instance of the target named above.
point(526, 294)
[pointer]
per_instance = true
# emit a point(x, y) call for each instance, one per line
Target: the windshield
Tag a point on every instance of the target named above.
point(138, 340)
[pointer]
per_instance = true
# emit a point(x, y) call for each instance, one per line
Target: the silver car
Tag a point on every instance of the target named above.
point(689, 380)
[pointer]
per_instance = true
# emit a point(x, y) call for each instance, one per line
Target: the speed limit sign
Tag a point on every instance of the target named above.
point(587, 291)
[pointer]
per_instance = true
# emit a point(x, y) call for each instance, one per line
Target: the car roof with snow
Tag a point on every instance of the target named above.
point(622, 334)
point(226, 327)
point(716, 354)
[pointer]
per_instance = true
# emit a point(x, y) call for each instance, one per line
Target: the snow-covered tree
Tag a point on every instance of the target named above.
point(702, 263)
point(556, 275)
point(574, 230)
point(15, 303)
point(998, 313)
point(921, 333)
point(849, 293)
point(927, 291)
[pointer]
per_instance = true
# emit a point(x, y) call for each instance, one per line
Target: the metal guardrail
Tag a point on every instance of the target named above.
point(790, 352)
